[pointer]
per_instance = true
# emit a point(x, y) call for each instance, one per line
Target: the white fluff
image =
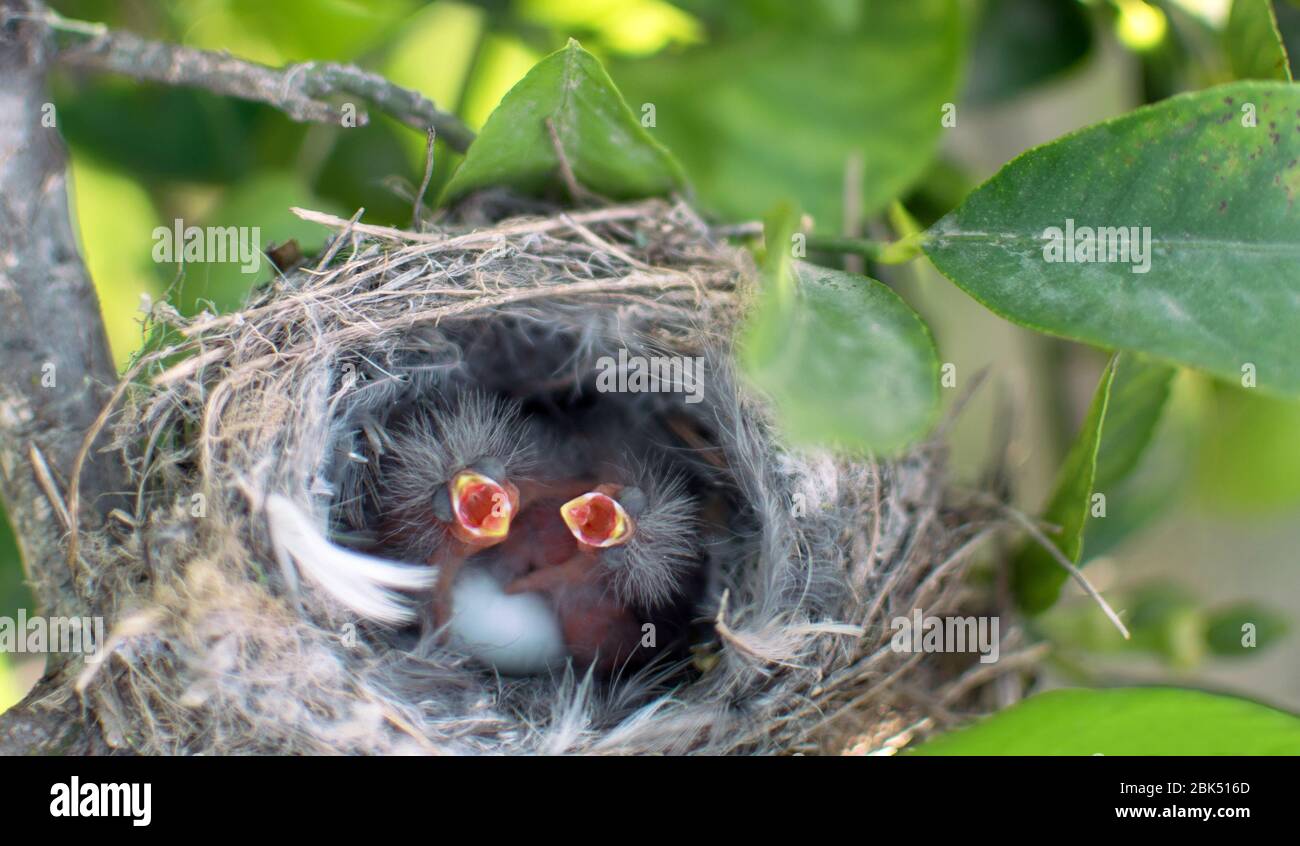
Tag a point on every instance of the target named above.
point(361, 582)
point(518, 634)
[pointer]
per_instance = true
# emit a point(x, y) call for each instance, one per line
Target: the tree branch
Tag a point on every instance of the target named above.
point(300, 90)
point(58, 370)
point(49, 721)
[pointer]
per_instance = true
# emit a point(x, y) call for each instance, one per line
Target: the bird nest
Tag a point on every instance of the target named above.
point(259, 601)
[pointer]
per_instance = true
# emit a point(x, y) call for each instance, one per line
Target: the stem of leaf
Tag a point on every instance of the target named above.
point(884, 252)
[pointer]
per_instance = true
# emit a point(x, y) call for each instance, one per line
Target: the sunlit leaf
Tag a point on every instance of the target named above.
point(604, 143)
point(1254, 44)
point(1126, 721)
point(116, 220)
point(291, 30)
point(1250, 454)
point(262, 202)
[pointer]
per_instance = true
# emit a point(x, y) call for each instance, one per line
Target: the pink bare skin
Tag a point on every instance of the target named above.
point(542, 556)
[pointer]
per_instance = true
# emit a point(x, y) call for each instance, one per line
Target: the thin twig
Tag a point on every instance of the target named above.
point(46, 480)
point(337, 242)
point(1042, 540)
point(74, 478)
point(576, 191)
point(300, 90)
point(428, 175)
point(601, 244)
point(487, 236)
point(981, 673)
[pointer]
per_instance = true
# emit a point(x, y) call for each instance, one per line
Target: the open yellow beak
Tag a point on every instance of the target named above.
point(482, 508)
point(597, 520)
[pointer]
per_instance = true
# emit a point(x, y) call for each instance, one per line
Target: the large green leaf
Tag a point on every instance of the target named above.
point(605, 144)
point(1254, 44)
point(846, 361)
point(1127, 721)
point(1223, 287)
point(767, 114)
point(1124, 412)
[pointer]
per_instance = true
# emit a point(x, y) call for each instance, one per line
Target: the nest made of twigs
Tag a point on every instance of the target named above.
point(216, 646)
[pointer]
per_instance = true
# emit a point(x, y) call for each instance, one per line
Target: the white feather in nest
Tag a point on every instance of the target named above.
point(519, 634)
point(363, 583)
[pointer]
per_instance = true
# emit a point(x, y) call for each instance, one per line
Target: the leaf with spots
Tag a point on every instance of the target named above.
point(846, 361)
point(602, 141)
point(1214, 174)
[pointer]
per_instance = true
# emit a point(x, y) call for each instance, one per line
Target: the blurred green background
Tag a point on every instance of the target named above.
point(757, 98)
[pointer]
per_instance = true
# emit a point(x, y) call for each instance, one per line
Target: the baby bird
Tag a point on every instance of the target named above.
point(447, 485)
point(609, 558)
point(548, 545)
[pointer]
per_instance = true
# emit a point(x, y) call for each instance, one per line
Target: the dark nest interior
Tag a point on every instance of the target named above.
point(283, 578)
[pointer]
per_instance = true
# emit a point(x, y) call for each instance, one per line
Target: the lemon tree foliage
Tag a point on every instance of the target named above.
point(1205, 185)
point(1255, 49)
point(845, 360)
point(1121, 420)
point(602, 141)
point(1127, 721)
point(760, 116)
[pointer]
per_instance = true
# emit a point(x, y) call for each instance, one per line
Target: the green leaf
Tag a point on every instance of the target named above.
point(1227, 639)
point(1223, 288)
point(784, 109)
point(1126, 721)
point(1254, 44)
point(158, 132)
point(845, 360)
point(1036, 576)
point(605, 144)
point(1137, 398)
point(1162, 476)
point(1121, 420)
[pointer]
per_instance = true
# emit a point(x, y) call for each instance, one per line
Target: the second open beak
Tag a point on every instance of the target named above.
point(597, 520)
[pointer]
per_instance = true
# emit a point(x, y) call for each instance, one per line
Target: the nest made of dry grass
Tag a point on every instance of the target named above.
point(215, 648)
